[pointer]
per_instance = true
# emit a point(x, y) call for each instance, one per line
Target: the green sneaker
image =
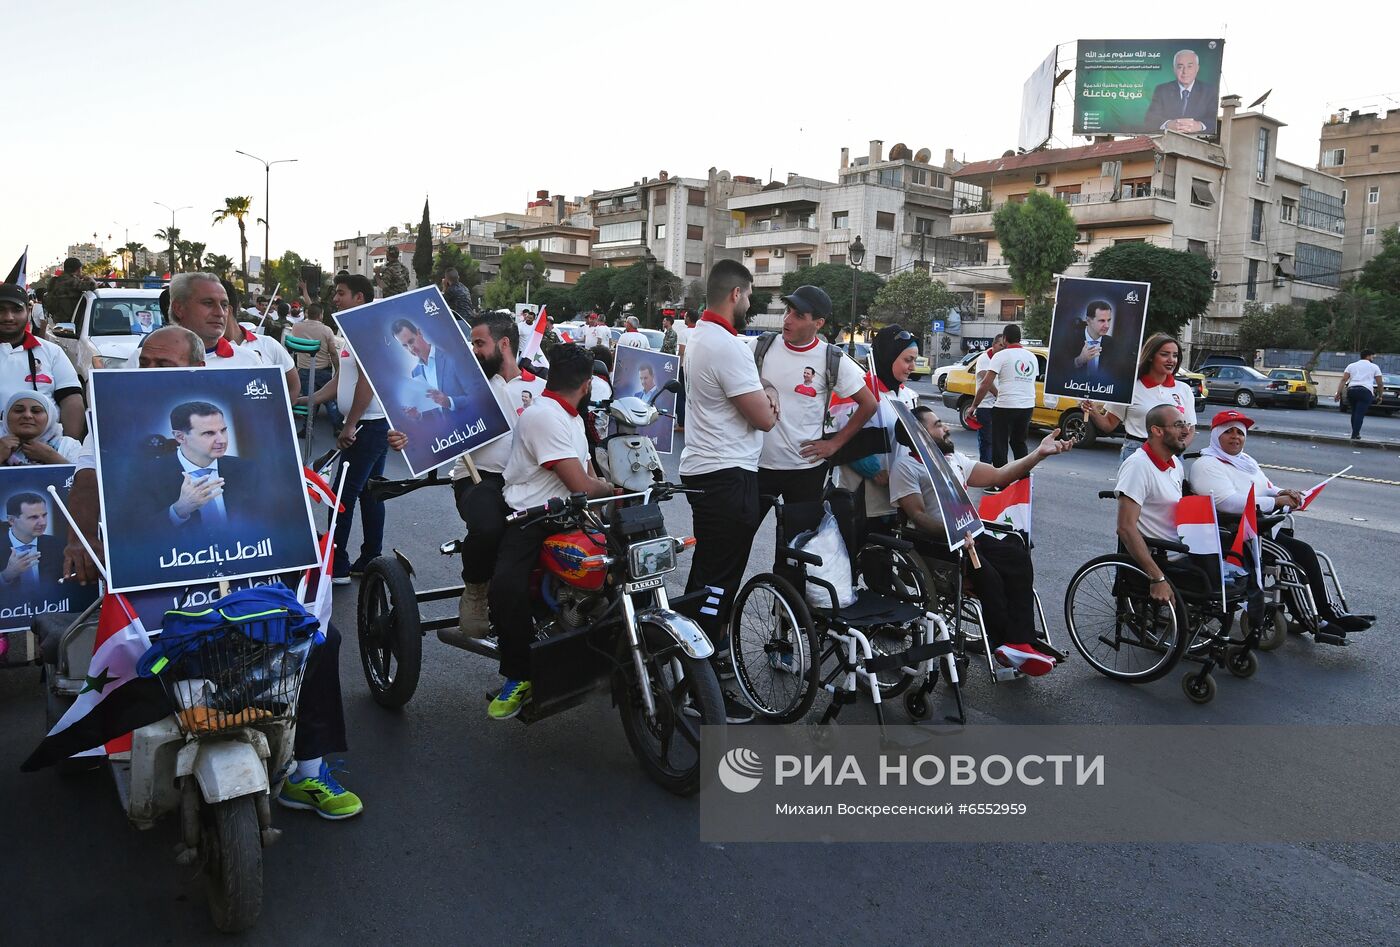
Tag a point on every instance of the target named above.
point(322, 795)
point(507, 704)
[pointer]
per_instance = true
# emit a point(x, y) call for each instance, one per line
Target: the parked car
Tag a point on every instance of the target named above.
point(856, 350)
point(1241, 385)
point(1386, 405)
point(940, 374)
point(1300, 388)
point(106, 327)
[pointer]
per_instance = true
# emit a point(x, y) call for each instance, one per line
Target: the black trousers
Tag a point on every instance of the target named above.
point(794, 486)
point(484, 510)
point(1307, 560)
point(1004, 585)
point(509, 595)
point(1009, 428)
point(320, 710)
point(725, 517)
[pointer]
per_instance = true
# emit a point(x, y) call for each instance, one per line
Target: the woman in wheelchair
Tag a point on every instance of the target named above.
point(1226, 472)
point(1004, 583)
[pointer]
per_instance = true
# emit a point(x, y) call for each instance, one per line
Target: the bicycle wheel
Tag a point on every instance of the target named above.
point(774, 648)
point(1115, 624)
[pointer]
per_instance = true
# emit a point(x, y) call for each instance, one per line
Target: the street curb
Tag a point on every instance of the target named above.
point(1331, 439)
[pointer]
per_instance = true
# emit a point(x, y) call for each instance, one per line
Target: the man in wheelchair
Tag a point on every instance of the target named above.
point(1004, 582)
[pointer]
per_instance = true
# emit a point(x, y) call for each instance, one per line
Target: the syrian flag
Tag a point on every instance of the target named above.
point(19, 275)
point(531, 348)
point(320, 490)
point(1011, 507)
point(1248, 532)
point(114, 701)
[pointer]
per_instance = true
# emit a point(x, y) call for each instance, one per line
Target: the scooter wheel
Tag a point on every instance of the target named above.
point(233, 864)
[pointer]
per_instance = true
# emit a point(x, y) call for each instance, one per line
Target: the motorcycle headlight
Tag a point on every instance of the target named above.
point(652, 557)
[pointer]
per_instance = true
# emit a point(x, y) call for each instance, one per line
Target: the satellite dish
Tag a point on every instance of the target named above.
point(900, 152)
point(724, 175)
point(923, 156)
point(1261, 100)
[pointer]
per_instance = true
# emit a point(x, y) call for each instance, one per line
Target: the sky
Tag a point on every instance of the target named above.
point(478, 106)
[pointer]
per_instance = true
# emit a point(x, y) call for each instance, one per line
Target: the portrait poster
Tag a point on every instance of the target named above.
point(955, 508)
point(642, 373)
point(199, 476)
point(422, 370)
point(1096, 332)
point(1147, 86)
point(31, 554)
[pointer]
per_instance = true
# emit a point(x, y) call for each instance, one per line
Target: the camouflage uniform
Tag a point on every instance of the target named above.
point(550, 340)
point(668, 342)
point(64, 293)
point(393, 279)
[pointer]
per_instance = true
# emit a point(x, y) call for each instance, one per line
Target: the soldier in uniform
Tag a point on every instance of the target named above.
point(669, 341)
point(393, 279)
point(66, 291)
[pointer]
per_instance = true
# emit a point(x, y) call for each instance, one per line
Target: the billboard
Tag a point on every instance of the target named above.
point(1037, 97)
point(1147, 86)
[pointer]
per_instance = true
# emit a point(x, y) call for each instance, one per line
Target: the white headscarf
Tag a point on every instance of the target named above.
point(1241, 461)
point(51, 435)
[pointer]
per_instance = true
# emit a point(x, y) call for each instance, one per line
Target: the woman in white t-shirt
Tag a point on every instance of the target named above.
point(1156, 384)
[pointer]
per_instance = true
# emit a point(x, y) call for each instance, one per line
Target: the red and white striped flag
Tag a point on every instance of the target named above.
point(1310, 495)
point(1011, 507)
point(314, 589)
point(1197, 525)
point(1248, 531)
point(531, 346)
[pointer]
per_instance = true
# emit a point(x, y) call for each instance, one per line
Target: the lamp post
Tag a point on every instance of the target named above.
point(529, 270)
point(267, 195)
point(171, 231)
point(857, 252)
point(650, 261)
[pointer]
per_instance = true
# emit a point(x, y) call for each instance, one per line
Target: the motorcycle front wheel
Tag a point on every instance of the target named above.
point(233, 877)
point(687, 696)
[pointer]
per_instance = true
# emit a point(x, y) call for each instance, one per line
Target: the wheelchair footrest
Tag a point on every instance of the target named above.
point(1001, 675)
point(916, 654)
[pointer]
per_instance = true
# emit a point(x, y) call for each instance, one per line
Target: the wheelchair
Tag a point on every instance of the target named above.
point(785, 650)
point(1290, 604)
point(1126, 635)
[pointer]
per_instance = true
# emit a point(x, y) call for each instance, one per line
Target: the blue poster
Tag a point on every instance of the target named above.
point(642, 373)
point(199, 476)
point(31, 554)
point(422, 370)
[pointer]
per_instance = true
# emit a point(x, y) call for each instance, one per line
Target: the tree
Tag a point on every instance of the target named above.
point(423, 249)
point(594, 291)
point(236, 208)
point(1381, 273)
point(629, 288)
point(1037, 241)
point(451, 257)
point(1280, 327)
point(284, 273)
point(913, 299)
point(189, 253)
point(218, 264)
point(694, 298)
point(559, 302)
point(759, 301)
point(1181, 284)
point(99, 267)
point(170, 235)
point(129, 251)
point(508, 288)
point(835, 279)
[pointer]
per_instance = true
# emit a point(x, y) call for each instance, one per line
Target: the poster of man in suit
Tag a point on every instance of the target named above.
point(199, 476)
point(1146, 87)
point(961, 521)
point(1095, 336)
point(31, 552)
point(421, 367)
point(642, 373)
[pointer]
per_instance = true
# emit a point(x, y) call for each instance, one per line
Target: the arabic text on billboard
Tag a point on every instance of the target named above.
point(1145, 87)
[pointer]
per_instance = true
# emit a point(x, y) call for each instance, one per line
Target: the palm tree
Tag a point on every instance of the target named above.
point(170, 235)
point(130, 250)
point(237, 208)
point(191, 252)
point(218, 264)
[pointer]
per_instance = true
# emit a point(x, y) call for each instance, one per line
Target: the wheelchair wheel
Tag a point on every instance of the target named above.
point(1115, 624)
point(1241, 662)
point(916, 704)
point(391, 635)
point(1199, 688)
point(774, 648)
point(895, 574)
point(1275, 630)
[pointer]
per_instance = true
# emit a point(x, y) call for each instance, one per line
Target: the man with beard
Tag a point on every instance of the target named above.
point(1004, 584)
point(1149, 488)
point(728, 410)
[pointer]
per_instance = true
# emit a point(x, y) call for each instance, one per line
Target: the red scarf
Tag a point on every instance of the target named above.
point(710, 316)
point(526, 375)
point(222, 348)
point(553, 396)
point(1160, 464)
point(29, 341)
point(1169, 383)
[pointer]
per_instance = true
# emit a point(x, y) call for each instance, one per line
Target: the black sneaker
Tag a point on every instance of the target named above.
point(735, 710)
point(1351, 622)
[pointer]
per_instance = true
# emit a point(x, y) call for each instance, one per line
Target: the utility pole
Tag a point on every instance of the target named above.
point(267, 199)
point(171, 231)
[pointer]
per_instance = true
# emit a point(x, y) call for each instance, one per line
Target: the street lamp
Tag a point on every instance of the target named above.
point(857, 251)
point(529, 270)
point(267, 195)
point(650, 261)
point(171, 231)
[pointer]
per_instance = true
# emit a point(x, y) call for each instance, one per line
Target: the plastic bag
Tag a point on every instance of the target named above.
point(826, 543)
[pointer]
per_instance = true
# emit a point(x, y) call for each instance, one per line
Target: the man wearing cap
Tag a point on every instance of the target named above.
point(806, 372)
point(34, 364)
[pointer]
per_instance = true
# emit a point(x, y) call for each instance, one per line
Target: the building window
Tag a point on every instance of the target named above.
point(1261, 156)
point(1198, 247)
point(1375, 149)
point(1251, 289)
point(918, 176)
point(884, 220)
point(659, 198)
point(837, 259)
point(629, 201)
point(890, 177)
point(968, 198)
point(760, 265)
point(1201, 194)
point(621, 232)
point(1334, 158)
point(1013, 310)
point(884, 264)
point(1314, 264)
point(695, 197)
point(694, 232)
point(1322, 211)
point(1373, 194)
point(1288, 210)
point(1256, 225)
point(660, 231)
point(840, 220)
point(1069, 193)
point(923, 225)
point(1370, 231)
point(804, 260)
point(1136, 187)
point(692, 269)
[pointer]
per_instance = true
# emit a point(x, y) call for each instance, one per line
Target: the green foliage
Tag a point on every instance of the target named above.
point(508, 288)
point(423, 249)
point(218, 264)
point(1038, 314)
point(98, 267)
point(835, 279)
point(284, 272)
point(758, 301)
point(171, 237)
point(559, 302)
point(1181, 286)
point(913, 299)
point(694, 298)
point(629, 289)
point(1381, 273)
point(1283, 327)
point(1037, 241)
point(1354, 319)
point(451, 257)
point(236, 208)
point(594, 290)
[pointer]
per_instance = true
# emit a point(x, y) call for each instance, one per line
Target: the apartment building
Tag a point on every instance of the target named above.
point(565, 248)
point(1363, 149)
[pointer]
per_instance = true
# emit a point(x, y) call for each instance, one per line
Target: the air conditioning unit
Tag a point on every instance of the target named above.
point(1042, 179)
point(1215, 276)
point(779, 253)
point(1083, 236)
point(748, 253)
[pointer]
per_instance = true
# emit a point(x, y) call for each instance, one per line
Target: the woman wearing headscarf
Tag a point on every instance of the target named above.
point(893, 351)
point(30, 432)
point(1226, 472)
point(1156, 384)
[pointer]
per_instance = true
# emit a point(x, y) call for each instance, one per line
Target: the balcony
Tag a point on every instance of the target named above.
point(1145, 206)
point(943, 250)
point(767, 233)
point(770, 280)
point(778, 197)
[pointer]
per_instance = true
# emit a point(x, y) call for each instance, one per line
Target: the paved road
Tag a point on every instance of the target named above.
point(477, 831)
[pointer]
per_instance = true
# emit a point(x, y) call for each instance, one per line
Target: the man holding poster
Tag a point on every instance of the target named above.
point(1095, 334)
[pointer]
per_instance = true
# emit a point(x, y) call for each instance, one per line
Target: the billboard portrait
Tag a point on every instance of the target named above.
point(1147, 86)
point(199, 476)
point(1037, 100)
point(1095, 336)
point(422, 370)
point(31, 555)
point(642, 373)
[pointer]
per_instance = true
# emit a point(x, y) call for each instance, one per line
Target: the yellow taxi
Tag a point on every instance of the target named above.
point(1298, 387)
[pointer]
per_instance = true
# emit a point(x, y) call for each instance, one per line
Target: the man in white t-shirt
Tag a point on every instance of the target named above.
point(728, 408)
point(631, 335)
point(595, 333)
point(792, 464)
point(29, 363)
point(1149, 489)
point(548, 459)
point(1363, 383)
point(199, 303)
point(983, 413)
point(1012, 371)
